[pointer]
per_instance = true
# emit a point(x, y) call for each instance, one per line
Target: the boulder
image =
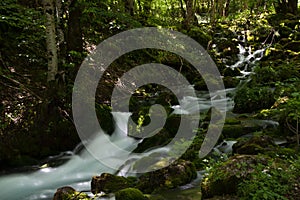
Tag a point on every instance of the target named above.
point(255, 145)
point(66, 192)
point(109, 183)
point(225, 178)
point(130, 194)
point(179, 173)
point(63, 193)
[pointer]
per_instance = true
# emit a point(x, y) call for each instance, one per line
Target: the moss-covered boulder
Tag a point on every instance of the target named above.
point(255, 145)
point(179, 173)
point(224, 178)
point(233, 131)
point(109, 183)
point(162, 138)
point(130, 194)
point(69, 193)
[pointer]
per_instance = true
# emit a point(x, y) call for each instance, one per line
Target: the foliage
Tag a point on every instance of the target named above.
point(25, 49)
point(250, 99)
point(274, 181)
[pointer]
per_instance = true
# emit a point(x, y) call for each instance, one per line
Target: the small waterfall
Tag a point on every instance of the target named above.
point(76, 172)
point(80, 167)
point(192, 105)
point(247, 58)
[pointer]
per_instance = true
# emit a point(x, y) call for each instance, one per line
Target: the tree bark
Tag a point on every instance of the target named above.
point(190, 14)
point(74, 34)
point(129, 7)
point(49, 9)
point(287, 6)
point(293, 7)
point(226, 8)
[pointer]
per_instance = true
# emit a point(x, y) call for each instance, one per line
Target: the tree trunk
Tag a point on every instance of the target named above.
point(74, 35)
point(293, 6)
point(287, 6)
point(226, 8)
point(190, 14)
point(129, 7)
point(51, 39)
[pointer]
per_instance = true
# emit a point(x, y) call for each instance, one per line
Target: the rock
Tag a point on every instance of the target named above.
point(66, 193)
point(109, 183)
point(63, 193)
point(230, 82)
point(130, 194)
point(179, 173)
point(233, 131)
point(156, 197)
point(255, 145)
point(225, 178)
point(162, 138)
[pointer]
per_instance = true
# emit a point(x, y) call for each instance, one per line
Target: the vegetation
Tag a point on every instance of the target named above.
point(254, 43)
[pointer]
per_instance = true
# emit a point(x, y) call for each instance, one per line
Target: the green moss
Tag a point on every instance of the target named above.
point(224, 178)
point(179, 173)
point(233, 131)
point(109, 183)
point(130, 194)
point(105, 118)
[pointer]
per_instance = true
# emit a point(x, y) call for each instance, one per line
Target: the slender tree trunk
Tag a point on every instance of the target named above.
point(74, 34)
point(129, 7)
point(182, 9)
point(49, 9)
point(213, 11)
point(190, 14)
point(60, 29)
point(293, 7)
point(226, 8)
point(287, 6)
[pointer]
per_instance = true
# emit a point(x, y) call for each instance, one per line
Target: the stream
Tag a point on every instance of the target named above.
point(79, 166)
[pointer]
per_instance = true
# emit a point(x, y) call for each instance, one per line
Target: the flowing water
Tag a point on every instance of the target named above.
point(77, 171)
point(80, 167)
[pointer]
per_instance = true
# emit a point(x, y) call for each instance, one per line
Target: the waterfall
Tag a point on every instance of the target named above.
point(76, 172)
point(80, 167)
point(192, 105)
point(246, 59)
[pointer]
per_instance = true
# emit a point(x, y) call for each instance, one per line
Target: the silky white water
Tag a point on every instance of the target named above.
point(77, 172)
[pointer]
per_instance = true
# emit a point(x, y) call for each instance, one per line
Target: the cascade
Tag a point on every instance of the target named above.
point(76, 172)
point(80, 167)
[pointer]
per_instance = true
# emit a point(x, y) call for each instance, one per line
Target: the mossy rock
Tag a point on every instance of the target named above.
point(109, 183)
point(105, 118)
point(232, 121)
point(69, 193)
point(179, 173)
point(160, 139)
point(155, 197)
point(199, 35)
point(233, 131)
point(130, 194)
point(255, 145)
point(224, 178)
